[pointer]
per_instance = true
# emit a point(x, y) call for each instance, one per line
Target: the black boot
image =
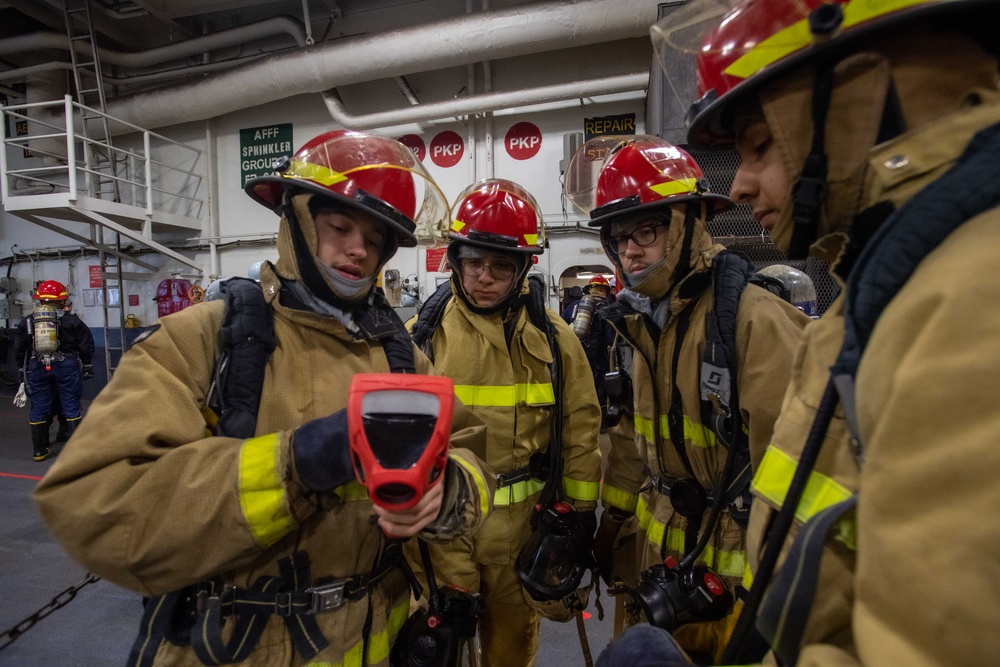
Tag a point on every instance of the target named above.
point(40, 441)
point(71, 425)
point(62, 435)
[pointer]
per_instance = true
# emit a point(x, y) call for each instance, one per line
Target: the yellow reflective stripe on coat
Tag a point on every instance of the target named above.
point(517, 492)
point(623, 500)
point(747, 577)
point(352, 491)
point(726, 563)
point(798, 36)
point(379, 644)
point(262, 494)
point(577, 490)
point(477, 478)
point(774, 476)
point(501, 396)
point(698, 435)
point(521, 491)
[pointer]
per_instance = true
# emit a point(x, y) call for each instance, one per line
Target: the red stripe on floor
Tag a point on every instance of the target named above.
point(10, 474)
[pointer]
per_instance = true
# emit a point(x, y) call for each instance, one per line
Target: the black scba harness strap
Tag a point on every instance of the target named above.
point(730, 273)
point(428, 319)
point(195, 614)
point(885, 264)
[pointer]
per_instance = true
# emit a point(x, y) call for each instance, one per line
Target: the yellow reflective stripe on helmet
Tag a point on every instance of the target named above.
point(726, 563)
point(698, 435)
point(680, 186)
point(479, 481)
point(517, 492)
point(531, 239)
point(623, 500)
point(577, 490)
point(502, 396)
point(772, 49)
point(457, 225)
point(314, 172)
point(797, 36)
point(378, 644)
point(774, 476)
point(262, 495)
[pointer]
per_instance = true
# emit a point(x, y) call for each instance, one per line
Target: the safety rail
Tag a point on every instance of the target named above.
point(61, 144)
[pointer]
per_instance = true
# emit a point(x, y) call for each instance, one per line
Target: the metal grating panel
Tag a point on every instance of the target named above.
point(736, 228)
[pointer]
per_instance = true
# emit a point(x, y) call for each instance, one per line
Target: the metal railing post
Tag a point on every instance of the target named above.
point(4, 194)
point(70, 147)
point(149, 175)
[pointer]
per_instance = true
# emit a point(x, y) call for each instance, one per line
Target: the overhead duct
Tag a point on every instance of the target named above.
point(153, 57)
point(461, 106)
point(491, 35)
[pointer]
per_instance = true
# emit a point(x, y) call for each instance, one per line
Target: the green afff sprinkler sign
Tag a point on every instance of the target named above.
point(260, 147)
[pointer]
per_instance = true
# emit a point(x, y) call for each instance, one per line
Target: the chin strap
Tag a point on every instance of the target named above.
point(810, 190)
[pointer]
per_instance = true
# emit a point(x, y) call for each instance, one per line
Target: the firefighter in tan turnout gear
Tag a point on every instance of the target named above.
point(872, 536)
point(268, 535)
point(487, 330)
point(684, 485)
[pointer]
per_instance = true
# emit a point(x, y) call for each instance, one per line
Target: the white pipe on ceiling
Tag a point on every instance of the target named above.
point(471, 104)
point(523, 30)
point(189, 47)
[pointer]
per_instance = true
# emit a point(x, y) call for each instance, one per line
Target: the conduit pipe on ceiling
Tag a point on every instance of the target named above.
point(523, 30)
point(189, 47)
point(155, 77)
point(472, 104)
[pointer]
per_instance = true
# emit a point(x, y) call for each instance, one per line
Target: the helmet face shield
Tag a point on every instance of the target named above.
point(741, 45)
point(636, 172)
point(375, 174)
point(580, 178)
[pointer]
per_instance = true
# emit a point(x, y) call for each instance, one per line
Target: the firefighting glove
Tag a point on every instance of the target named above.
point(321, 452)
point(21, 397)
point(612, 521)
point(88, 371)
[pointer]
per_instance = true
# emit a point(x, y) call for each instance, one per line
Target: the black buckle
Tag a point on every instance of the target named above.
point(513, 477)
point(661, 485)
point(328, 597)
point(208, 595)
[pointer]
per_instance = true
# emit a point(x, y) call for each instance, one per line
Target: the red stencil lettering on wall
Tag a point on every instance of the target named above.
point(415, 144)
point(447, 149)
point(523, 141)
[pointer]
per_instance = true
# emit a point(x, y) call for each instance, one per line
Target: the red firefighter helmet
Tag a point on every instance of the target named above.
point(498, 214)
point(599, 281)
point(50, 290)
point(743, 45)
point(375, 174)
point(644, 172)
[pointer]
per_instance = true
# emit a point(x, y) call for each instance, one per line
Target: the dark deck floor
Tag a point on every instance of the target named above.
point(96, 629)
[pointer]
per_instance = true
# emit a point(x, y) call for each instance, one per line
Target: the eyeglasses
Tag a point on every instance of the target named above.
point(643, 237)
point(500, 269)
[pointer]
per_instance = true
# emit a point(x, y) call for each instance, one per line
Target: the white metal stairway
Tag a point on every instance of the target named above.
point(128, 192)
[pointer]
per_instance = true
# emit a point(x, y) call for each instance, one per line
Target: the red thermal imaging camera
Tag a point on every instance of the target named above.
point(399, 426)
